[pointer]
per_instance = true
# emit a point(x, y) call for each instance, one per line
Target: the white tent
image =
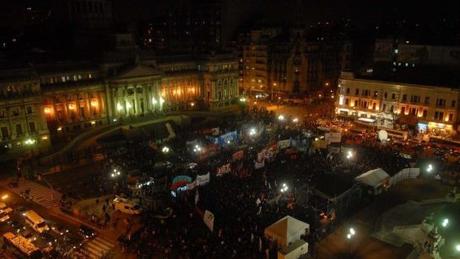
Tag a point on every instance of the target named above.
point(287, 230)
point(376, 179)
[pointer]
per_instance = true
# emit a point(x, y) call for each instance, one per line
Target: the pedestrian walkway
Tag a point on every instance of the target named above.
point(39, 194)
point(97, 248)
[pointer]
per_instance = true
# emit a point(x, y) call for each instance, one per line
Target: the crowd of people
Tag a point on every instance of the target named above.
point(243, 205)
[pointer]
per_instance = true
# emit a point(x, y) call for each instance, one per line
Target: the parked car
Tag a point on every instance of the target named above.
point(126, 206)
point(4, 208)
point(4, 216)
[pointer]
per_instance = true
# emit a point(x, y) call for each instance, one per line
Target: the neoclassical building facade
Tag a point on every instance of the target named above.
point(61, 99)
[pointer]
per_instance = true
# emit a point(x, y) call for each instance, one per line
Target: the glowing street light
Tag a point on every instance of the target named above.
point(5, 196)
point(252, 132)
point(445, 222)
point(197, 149)
point(29, 141)
point(429, 168)
point(457, 248)
point(349, 154)
point(243, 99)
point(165, 150)
point(115, 173)
point(281, 117)
point(295, 120)
point(284, 188)
point(351, 233)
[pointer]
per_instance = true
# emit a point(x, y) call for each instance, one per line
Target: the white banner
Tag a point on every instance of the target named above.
point(261, 155)
point(225, 169)
point(284, 143)
point(202, 179)
point(258, 165)
point(208, 219)
point(333, 137)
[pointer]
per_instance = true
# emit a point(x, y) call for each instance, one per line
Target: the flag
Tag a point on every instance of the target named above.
point(197, 197)
point(202, 179)
point(208, 219)
point(258, 165)
point(238, 155)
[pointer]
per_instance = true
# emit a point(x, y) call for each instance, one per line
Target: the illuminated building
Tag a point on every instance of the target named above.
point(435, 109)
point(287, 62)
point(67, 98)
point(21, 114)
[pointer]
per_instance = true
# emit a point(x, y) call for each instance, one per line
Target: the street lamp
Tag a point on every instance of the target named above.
point(349, 154)
point(352, 231)
point(252, 132)
point(281, 117)
point(295, 120)
point(29, 141)
point(457, 248)
point(284, 188)
point(115, 173)
point(429, 168)
point(197, 149)
point(5, 196)
point(165, 150)
point(243, 99)
point(445, 222)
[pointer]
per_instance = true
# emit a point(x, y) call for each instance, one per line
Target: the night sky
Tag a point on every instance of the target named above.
point(277, 11)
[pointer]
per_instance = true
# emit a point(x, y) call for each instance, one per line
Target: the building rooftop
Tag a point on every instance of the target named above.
point(427, 75)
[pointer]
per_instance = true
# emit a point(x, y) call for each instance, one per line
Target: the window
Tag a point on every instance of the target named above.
point(438, 115)
point(414, 99)
point(384, 107)
point(451, 116)
point(346, 101)
point(404, 97)
point(393, 96)
point(357, 91)
point(5, 132)
point(427, 100)
point(453, 103)
point(440, 102)
point(29, 109)
point(403, 110)
point(374, 106)
point(425, 113)
point(412, 111)
point(348, 90)
point(32, 127)
point(18, 129)
point(385, 95)
point(376, 93)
